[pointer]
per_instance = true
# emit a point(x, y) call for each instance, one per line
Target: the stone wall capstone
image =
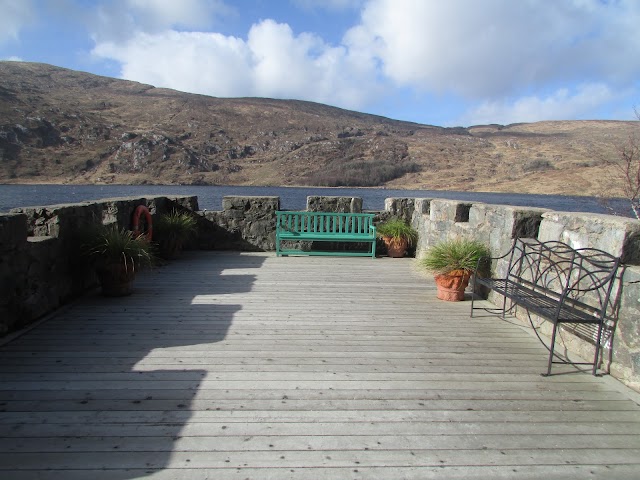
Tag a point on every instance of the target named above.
point(334, 204)
point(620, 236)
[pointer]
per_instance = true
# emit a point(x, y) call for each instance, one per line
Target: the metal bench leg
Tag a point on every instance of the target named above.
point(473, 296)
point(504, 307)
point(551, 349)
point(597, 354)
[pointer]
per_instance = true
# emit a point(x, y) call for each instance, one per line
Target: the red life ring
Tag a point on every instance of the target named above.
point(140, 209)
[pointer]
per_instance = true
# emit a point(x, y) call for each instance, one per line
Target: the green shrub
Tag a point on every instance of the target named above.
point(361, 173)
point(538, 165)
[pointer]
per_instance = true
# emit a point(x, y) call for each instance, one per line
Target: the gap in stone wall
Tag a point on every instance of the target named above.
point(462, 212)
point(527, 226)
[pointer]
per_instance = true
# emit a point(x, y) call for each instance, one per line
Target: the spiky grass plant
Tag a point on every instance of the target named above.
point(397, 228)
point(175, 226)
point(172, 230)
point(450, 255)
point(109, 244)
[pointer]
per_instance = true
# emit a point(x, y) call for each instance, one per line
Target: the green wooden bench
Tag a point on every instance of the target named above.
point(325, 227)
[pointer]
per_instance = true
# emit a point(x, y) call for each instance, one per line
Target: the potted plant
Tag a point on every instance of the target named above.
point(116, 254)
point(452, 262)
point(171, 230)
point(397, 235)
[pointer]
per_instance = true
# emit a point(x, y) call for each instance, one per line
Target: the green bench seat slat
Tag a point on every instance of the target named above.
point(325, 227)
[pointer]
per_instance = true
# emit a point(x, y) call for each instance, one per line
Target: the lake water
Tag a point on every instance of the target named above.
point(291, 198)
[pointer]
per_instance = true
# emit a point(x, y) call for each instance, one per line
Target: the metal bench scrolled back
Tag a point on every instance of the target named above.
point(563, 285)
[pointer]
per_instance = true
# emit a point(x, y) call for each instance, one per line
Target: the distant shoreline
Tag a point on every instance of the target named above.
point(176, 185)
point(291, 198)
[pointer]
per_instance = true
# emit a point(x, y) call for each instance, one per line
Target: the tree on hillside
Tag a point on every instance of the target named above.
point(625, 171)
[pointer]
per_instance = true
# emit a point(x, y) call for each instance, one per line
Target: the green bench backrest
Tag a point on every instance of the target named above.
point(325, 222)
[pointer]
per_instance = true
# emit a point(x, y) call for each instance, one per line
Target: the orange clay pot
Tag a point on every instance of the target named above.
point(451, 286)
point(396, 247)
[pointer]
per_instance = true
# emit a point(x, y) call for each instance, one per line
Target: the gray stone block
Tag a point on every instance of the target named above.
point(13, 231)
point(618, 236)
point(334, 204)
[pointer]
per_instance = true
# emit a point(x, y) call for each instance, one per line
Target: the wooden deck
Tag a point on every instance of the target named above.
point(248, 366)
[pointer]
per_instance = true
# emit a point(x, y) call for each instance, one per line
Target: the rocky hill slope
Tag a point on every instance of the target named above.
point(64, 126)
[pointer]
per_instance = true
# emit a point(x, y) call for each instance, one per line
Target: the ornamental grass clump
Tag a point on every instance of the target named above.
point(397, 228)
point(116, 255)
point(454, 255)
point(108, 244)
point(397, 236)
point(452, 262)
point(171, 230)
point(176, 224)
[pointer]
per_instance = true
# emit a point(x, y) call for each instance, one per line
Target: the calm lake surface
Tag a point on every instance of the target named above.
point(291, 198)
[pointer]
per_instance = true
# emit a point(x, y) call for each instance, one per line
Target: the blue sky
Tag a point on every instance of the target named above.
point(438, 62)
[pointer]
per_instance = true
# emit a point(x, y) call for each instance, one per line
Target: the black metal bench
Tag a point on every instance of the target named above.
point(556, 282)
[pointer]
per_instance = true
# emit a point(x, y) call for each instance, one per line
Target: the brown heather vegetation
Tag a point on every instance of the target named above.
point(63, 126)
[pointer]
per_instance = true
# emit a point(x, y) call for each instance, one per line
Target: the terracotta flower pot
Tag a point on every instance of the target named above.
point(169, 248)
point(396, 246)
point(451, 286)
point(116, 279)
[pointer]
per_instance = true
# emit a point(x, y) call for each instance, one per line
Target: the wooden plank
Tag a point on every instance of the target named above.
point(171, 430)
point(195, 383)
point(322, 443)
point(332, 405)
point(479, 472)
point(316, 458)
point(24, 372)
point(389, 378)
point(124, 412)
point(309, 394)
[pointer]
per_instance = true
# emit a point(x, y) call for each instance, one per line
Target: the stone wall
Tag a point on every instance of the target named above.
point(40, 268)
point(245, 223)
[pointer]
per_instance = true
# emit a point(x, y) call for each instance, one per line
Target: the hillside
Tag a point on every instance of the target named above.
point(64, 126)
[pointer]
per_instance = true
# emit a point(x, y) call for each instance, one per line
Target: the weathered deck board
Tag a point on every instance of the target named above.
point(476, 472)
point(251, 366)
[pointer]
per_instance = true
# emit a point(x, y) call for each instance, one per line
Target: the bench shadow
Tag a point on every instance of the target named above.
point(110, 366)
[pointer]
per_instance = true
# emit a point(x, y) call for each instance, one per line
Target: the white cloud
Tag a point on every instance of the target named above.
point(272, 62)
point(495, 48)
point(120, 20)
point(303, 66)
point(560, 105)
point(192, 62)
point(15, 15)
